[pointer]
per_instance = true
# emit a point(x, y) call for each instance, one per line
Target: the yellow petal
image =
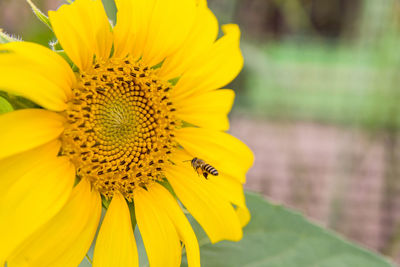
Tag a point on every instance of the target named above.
point(202, 3)
point(152, 29)
point(37, 73)
point(231, 190)
point(225, 186)
point(25, 129)
point(207, 110)
point(244, 215)
point(116, 245)
point(165, 201)
point(83, 31)
point(15, 167)
point(169, 26)
point(32, 200)
point(66, 238)
point(219, 66)
point(45, 62)
point(159, 235)
point(215, 214)
point(224, 152)
point(130, 32)
point(228, 188)
point(201, 37)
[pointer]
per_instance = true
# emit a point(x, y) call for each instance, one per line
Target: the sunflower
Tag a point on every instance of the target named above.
point(121, 129)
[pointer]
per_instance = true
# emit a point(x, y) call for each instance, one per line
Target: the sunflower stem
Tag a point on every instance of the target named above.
point(39, 14)
point(6, 38)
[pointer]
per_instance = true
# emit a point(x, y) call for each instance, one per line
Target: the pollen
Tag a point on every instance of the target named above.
point(120, 127)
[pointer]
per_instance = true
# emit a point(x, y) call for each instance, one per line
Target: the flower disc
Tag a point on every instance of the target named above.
point(120, 126)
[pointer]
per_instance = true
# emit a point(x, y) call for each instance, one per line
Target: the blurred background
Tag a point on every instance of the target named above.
point(317, 101)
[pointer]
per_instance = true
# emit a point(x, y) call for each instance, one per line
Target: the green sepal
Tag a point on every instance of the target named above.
point(18, 102)
point(77, 180)
point(6, 38)
point(157, 66)
point(174, 81)
point(40, 15)
point(187, 124)
point(5, 106)
point(65, 56)
point(105, 202)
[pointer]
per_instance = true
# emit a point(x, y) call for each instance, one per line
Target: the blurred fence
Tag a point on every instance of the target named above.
point(319, 105)
point(343, 178)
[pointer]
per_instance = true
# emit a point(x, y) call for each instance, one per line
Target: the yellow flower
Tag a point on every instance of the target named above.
point(123, 128)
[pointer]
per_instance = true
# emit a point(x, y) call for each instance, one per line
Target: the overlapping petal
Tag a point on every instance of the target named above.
point(166, 202)
point(116, 245)
point(32, 200)
point(159, 235)
point(14, 167)
point(37, 73)
point(130, 32)
point(28, 128)
point(223, 151)
point(232, 190)
point(169, 26)
point(214, 213)
point(201, 37)
point(65, 239)
point(152, 29)
point(219, 66)
point(244, 215)
point(83, 30)
point(227, 187)
point(207, 110)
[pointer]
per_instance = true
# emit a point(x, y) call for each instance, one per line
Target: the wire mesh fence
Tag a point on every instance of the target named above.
point(320, 93)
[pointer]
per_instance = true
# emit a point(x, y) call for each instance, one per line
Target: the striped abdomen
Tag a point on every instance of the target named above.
point(210, 169)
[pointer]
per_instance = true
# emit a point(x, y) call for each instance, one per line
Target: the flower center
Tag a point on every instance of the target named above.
point(121, 125)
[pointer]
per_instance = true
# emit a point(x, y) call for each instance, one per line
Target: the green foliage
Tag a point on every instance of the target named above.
point(277, 237)
point(351, 79)
point(313, 81)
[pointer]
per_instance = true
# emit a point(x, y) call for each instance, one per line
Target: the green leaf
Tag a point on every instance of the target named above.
point(6, 38)
point(277, 237)
point(5, 106)
point(39, 14)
